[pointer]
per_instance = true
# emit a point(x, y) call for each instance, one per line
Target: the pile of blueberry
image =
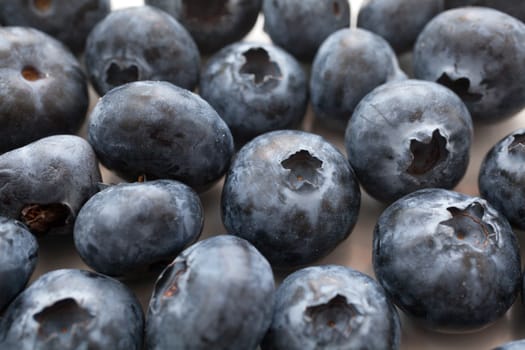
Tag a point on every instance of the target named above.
point(187, 108)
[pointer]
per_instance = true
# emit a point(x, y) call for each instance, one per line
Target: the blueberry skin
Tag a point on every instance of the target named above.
point(478, 53)
point(448, 260)
point(73, 309)
point(159, 130)
point(513, 345)
point(43, 89)
point(349, 64)
point(129, 227)
point(255, 88)
point(141, 43)
point(215, 24)
point(45, 183)
point(332, 307)
point(18, 259)
point(409, 135)
point(68, 21)
point(291, 194)
point(501, 177)
point(398, 21)
point(515, 8)
point(301, 26)
point(217, 294)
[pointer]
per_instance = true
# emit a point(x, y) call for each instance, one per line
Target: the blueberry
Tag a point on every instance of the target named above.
point(141, 43)
point(45, 183)
point(217, 294)
point(301, 26)
point(515, 8)
point(293, 195)
point(408, 135)
point(513, 345)
point(450, 261)
point(255, 88)
point(159, 130)
point(130, 227)
point(332, 307)
point(43, 89)
point(478, 53)
point(501, 177)
point(73, 309)
point(213, 24)
point(349, 64)
point(398, 21)
point(18, 259)
point(66, 20)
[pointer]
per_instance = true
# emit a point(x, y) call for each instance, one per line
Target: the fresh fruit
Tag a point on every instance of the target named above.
point(66, 20)
point(158, 130)
point(332, 307)
point(45, 183)
point(349, 64)
point(213, 24)
point(141, 43)
point(479, 53)
point(129, 228)
point(407, 135)
point(217, 294)
point(255, 88)
point(42, 88)
point(293, 195)
point(448, 260)
point(301, 26)
point(73, 309)
point(17, 260)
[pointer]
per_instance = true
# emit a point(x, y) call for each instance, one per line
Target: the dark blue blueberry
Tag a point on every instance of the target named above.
point(131, 227)
point(218, 294)
point(293, 195)
point(501, 177)
point(513, 345)
point(159, 130)
point(515, 8)
point(450, 261)
point(73, 309)
point(332, 307)
point(301, 26)
point(66, 20)
point(43, 90)
point(408, 135)
point(45, 183)
point(349, 64)
point(255, 88)
point(213, 24)
point(398, 21)
point(141, 43)
point(18, 259)
point(479, 53)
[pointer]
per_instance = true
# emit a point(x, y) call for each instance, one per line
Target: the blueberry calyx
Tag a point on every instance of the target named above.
point(61, 317)
point(40, 218)
point(30, 73)
point(259, 65)
point(460, 86)
point(468, 225)
point(331, 319)
point(177, 268)
point(120, 74)
point(426, 155)
point(518, 143)
point(303, 170)
point(42, 5)
point(204, 10)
